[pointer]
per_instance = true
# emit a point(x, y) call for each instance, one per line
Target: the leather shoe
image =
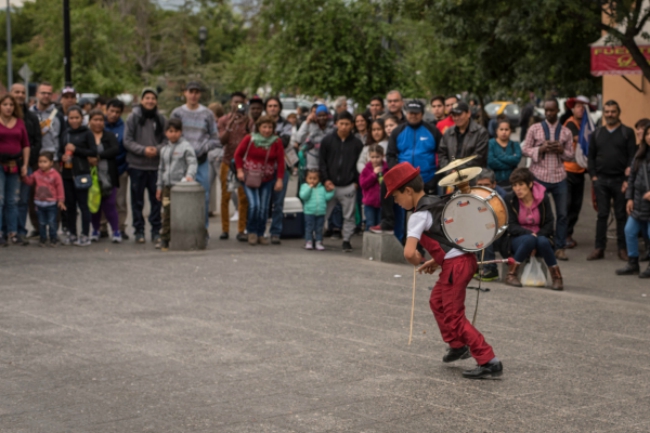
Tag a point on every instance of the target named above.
point(561, 255)
point(224, 236)
point(242, 237)
point(596, 254)
point(571, 243)
point(512, 279)
point(485, 371)
point(622, 254)
point(456, 354)
point(556, 276)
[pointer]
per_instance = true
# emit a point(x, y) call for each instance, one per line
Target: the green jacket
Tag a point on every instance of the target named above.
point(315, 199)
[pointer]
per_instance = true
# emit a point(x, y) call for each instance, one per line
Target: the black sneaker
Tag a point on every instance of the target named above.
point(125, 237)
point(224, 236)
point(485, 371)
point(103, 234)
point(490, 274)
point(139, 238)
point(347, 247)
point(456, 354)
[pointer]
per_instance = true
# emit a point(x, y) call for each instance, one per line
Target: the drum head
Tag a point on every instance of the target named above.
point(469, 222)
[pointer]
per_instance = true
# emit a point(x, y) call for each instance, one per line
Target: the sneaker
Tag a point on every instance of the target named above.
point(103, 234)
point(157, 241)
point(381, 231)
point(69, 240)
point(456, 354)
point(42, 243)
point(319, 246)
point(262, 240)
point(242, 237)
point(275, 240)
point(328, 233)
point(235, 216)
point(336, 234)
point(309, 245)
point(490, 274)
point(347, 247)
point(117, 237)
point(164, 247)
point(125, 237)
point(83, 241)
point(21, 240)
point(34, 234)
point(485, 371)
point(94, 236)
point(139, 238)
point(54, 243)
point(252, 239)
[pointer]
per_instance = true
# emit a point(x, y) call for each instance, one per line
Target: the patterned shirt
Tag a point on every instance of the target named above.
point(547, 167)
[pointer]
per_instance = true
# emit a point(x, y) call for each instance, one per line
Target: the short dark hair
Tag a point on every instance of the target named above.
point(48, 155)
point(375, 148)
point(613, 102)
point(378, 98)
point(417, 185)
point(77, 109)
point(521, 174)
point(451, 96)
point(557, 104)
point(240, 94)
point(345, 115)
point(313, 171)
point(174, 123)
point(95, 112)
point(437, 98)
point(115, 103)
point(488, 174)
point(273, 98)
point(100, 101)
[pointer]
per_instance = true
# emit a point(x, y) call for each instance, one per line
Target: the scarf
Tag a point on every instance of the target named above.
point(159, 128)
point(261, 142)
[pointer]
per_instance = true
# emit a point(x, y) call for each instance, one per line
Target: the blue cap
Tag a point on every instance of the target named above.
point(322, 108)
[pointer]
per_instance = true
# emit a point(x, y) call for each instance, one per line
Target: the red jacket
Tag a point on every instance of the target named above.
point(49, 186)
point(370, 186)
point(256, 156)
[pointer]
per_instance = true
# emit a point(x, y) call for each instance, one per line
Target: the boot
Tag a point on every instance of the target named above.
point(631, 268)
point(646, 273)
point(557, 278)
point(512, 278)
point(646, 257)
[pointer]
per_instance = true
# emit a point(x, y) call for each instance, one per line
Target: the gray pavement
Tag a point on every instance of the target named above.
point(123, 338)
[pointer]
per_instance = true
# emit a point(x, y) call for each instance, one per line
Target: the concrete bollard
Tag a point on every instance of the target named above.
point(382, 248)
point(187, 217)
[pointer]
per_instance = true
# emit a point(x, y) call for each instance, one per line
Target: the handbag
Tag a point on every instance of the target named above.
point(95, 192)
point(253, 177)
point(83, 181)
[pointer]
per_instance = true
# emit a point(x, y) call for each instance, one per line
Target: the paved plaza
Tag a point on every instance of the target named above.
point(123, 338)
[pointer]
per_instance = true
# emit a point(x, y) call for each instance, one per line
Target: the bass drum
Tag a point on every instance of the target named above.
point(474, 221)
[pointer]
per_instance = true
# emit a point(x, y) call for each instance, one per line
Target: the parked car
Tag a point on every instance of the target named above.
point(289, 105)
point(510, 109)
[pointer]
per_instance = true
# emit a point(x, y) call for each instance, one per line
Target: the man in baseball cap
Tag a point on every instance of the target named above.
point(466, 138)
point(447, 300)
point(68, 99)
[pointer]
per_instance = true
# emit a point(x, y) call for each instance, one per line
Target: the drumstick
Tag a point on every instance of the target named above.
point(412, 305)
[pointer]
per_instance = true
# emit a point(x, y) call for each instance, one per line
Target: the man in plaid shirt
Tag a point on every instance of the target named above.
point(547, 152)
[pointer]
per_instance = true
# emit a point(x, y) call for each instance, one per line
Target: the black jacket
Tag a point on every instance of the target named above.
point(637, 185)
point(546, 218)
point(110, 153)
point(34, 136)
point(338, 159)
point(84, 142)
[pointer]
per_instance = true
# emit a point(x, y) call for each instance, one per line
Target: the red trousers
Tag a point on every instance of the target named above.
point(448, 305)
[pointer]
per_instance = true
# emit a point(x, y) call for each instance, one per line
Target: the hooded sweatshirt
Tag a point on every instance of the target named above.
point(177, 161)
point(371, 184)
point(49, 186)
point(529, 217)
point(138, 137)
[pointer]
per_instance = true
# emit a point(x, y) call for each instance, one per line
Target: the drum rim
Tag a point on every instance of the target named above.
point(494, 214)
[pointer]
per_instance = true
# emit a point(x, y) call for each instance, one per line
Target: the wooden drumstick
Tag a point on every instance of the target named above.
point(412, 305)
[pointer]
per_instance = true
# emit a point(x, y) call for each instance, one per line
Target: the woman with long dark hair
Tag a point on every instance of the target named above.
point(638, 206)
point(361, 128)
point(377, 135)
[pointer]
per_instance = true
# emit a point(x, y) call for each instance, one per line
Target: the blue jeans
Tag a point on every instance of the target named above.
point(524, 245)
point(632, 229)
point(259, 201)
point(314, 227)
point(560, 193)
point(277, 207)
point(400, 223)
point(203, 178)
point(47, 218)
point(141, 181)
point(373, 216)
point(336, 218)
point(9, 191)
point(23, 205)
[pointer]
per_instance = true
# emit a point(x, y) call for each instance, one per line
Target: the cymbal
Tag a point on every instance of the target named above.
point(456, 163)
point(461, 176)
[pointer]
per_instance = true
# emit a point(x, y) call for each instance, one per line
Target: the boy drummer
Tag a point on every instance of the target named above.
point(447, 301)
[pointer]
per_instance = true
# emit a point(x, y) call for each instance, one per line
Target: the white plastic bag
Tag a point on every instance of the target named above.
point(533, 274)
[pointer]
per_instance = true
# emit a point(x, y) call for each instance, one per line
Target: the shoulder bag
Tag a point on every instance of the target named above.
point(253, 177)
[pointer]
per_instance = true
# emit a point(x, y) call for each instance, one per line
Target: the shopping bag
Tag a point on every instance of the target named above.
point(533, 274)
point(95, 192)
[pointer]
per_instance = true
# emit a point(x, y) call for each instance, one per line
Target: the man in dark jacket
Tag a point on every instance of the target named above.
point(339, 152)
point(611, 149)
point(415, 142)
point(467, 138)
point(26, 196)
point(115, 125)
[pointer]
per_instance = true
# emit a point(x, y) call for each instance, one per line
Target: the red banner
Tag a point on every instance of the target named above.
point(615, 61)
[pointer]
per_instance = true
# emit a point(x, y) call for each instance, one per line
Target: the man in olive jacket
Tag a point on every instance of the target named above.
point(467, 138)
